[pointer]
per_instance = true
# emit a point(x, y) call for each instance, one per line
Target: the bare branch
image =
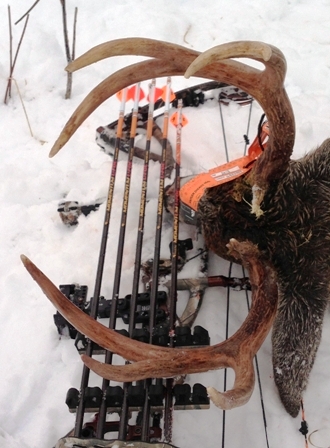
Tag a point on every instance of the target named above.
point(73, 53)
point(65, 32)
point(8, 91)
point(27, 12)
point(69, 56)
point(13, 63)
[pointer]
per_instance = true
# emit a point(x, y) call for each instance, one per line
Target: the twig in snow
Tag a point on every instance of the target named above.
point(13, 62)
point(73, 54)
point(25, 113)
point(27, 12)
point(65, 31)
point(69, 56)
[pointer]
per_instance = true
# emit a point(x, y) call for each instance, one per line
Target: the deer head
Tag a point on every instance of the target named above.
point(225, 219)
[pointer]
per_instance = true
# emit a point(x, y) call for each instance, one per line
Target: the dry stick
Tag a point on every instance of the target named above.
point(69, 56)
point(65, 32)
point(25, 113)
point(159, 219)
point(137, 268)
point(70, 74)
point(120, 252)
point(13, 63)
point(10, 55)
point(73, 52)
point(72, 57)
point(27, 12)
point(100, 266)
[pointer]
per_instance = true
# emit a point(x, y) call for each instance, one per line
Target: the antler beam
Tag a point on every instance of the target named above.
point(157, 362)
point(169, 60)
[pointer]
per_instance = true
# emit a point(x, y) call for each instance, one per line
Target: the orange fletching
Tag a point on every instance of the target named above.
point(175, 119)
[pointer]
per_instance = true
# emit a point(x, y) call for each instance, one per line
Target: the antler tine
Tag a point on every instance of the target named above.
point(267, 88)
point(171, 60)
point(158, 362)
point(97, 332)
point(185, 362)
point(134, 46)
point(174, 60)
point(240, 49)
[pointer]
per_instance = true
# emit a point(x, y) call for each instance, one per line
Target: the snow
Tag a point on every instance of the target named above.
point(37, 368)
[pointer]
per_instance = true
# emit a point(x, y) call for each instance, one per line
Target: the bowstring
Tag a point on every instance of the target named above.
point(246, 140)
point(228, 289)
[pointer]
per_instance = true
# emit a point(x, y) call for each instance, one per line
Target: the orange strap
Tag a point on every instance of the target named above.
point(193, 190)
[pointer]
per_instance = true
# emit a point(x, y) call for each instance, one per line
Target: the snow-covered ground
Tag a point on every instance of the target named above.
point(36, 367)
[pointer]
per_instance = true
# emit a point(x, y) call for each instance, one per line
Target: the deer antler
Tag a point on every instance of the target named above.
point(157, 362)
point(266, 86)
point(170, 60)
